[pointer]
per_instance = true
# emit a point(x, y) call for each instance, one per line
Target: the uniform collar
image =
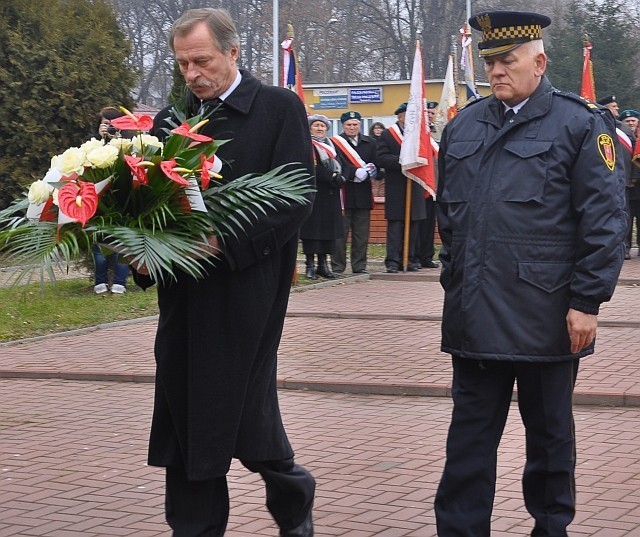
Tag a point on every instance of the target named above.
point(538, 103)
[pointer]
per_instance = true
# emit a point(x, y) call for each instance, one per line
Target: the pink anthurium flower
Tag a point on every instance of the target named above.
point(78, 200)
point(209, 168)
point(190, 132)
point(137, 167)
point(132, 122)
point(170, 169)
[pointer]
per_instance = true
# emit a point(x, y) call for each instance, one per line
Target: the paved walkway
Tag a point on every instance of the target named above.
point(367, 412)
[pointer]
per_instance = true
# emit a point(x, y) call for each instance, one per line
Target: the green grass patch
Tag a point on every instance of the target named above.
point(28, 311)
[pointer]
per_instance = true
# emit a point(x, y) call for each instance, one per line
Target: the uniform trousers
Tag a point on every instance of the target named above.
point(426, 233)
point(357, 221)
point(201, 508)
point(634, 214)
point(482, 393)
point(395, 243)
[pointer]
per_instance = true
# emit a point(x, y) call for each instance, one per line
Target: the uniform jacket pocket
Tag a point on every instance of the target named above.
point(548, 276)
point(525, 170)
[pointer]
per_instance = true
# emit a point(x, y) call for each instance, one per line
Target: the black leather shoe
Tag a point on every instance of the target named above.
point(392, 269)
point(311, 273)
point(429, 264)
point(413, 267)
point(361, 271)
point(325, 272)
point(303, 530)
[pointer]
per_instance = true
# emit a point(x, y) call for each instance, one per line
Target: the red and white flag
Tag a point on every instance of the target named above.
point(290, 73)
point(416, 154)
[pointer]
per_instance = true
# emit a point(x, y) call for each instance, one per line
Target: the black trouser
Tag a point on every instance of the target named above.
point(201, 508)
point(482, 395)
point(426, 234)
point(395, 243)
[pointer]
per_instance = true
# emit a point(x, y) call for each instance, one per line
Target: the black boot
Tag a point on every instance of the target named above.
point(311, 271)
point(323, 268)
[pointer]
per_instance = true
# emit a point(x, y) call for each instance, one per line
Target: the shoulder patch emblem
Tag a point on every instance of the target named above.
point(607, 150)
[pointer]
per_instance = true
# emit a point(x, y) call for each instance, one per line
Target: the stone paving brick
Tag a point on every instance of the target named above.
point(377, 460)
point(72, 454)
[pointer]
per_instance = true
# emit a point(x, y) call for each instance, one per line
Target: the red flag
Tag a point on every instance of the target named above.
point(588, 89)
point(416, 154)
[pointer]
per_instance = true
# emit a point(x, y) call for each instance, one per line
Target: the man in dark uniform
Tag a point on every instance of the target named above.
point(217, 337)
point(532, 220)
point(388, 157)
point(427, 227)
point(357, 155)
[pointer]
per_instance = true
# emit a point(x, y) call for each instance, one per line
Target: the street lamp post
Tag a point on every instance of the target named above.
point(276, 45)
point(331, 21)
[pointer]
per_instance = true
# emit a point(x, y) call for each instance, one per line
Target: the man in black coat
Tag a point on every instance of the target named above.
point(357, 155)
point(532, 221)
point(218, 337)
point(388, 157)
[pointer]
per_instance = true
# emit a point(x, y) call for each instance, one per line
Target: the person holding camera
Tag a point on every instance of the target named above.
point(102, 259)
point(324, 226)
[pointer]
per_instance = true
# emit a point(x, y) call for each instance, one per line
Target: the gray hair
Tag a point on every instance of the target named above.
point(221, 26)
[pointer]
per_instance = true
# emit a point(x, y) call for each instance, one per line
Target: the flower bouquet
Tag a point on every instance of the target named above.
point(156, 203)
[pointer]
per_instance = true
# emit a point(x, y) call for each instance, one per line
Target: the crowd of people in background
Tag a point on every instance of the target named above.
point(352, 170)
point(627, 124)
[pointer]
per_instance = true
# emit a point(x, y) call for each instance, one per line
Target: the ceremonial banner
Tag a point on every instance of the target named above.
point(290, 75)
point(416, 154)
point(466, 63)
point(588, 88)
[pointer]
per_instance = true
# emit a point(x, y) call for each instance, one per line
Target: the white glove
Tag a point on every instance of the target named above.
point(371, 170)
point(361, 175)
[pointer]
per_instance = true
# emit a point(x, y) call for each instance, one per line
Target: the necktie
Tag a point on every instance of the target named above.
point(508, 115)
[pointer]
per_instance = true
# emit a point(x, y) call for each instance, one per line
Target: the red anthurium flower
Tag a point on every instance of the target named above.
point(168, 167)
point(139, 172)
point(132, 122)
point(208, 167)
point(185, 130)
point(78, 200)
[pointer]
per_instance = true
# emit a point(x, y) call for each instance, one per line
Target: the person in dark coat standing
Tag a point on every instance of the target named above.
point(357, 153)
point(388, 157)
point(321, 230)
point(531, 213)
point(217, 337)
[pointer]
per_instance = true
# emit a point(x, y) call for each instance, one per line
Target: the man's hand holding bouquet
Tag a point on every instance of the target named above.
point(163, 206)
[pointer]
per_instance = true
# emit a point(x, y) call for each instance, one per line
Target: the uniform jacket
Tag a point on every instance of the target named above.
point(532, 223)
point(217, 337)
point(325, 221)
point(395, 188)
point(358, 195)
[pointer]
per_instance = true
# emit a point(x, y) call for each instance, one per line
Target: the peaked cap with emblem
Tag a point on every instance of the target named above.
point(350, 115)
point(503, 31)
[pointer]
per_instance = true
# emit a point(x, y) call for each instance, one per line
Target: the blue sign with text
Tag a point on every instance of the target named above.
point(365, 95)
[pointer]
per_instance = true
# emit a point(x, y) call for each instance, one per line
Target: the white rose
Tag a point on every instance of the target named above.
point(122, 144)
point(139, 142)
point(39, 192)
point(71, 161)
point(91, 144)
point(103, 156)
